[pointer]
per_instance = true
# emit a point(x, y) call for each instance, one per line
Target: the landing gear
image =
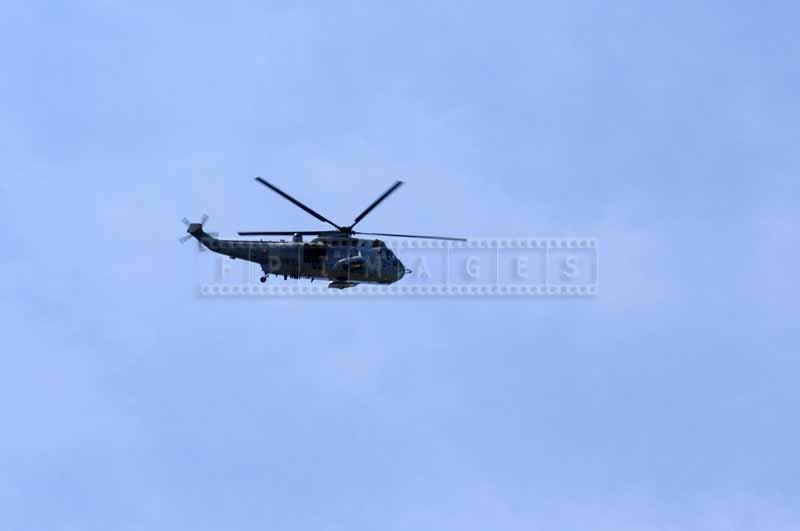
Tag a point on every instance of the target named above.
point(263, 279)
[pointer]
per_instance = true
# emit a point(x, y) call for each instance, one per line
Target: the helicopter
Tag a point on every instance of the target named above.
point(334, 255)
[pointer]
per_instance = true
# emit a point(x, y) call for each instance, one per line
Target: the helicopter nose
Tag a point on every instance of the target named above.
point(401, 270)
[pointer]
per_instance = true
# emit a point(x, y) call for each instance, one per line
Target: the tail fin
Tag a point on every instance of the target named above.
point(196, 230)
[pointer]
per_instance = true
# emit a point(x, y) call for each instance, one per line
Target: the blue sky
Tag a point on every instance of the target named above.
point(667, 132)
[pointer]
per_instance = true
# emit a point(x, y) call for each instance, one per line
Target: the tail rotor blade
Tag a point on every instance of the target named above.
point(186, 222)
point(205, 218)
point(185, 239)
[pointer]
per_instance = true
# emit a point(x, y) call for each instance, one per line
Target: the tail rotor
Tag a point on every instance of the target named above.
point(193, 228)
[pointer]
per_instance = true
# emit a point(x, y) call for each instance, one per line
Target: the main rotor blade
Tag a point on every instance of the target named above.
point(282, 233)
point(297, 203)
point(412, 236)
point(377, 202)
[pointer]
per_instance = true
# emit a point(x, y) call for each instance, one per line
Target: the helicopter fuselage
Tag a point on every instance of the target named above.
point(341, 259)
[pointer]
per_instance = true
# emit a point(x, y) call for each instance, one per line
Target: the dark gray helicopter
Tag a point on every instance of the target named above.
point(333, 255)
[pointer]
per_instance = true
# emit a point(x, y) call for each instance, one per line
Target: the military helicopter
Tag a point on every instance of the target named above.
point(334, 255)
